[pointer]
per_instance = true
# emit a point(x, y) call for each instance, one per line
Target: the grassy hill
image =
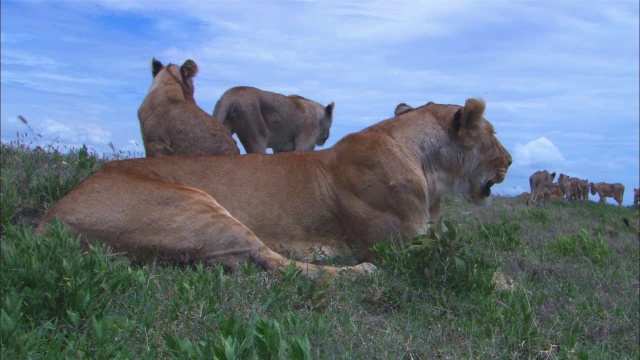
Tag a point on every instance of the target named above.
point(503, 281)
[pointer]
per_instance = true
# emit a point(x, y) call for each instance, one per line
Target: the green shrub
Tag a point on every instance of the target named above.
point(439, 257)
point(261, 339)
point(33, 179)
point(47, 283)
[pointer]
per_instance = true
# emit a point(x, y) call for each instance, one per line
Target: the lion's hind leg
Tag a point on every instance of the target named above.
point(251, 128)
point(199, 228)
point(146, 218)
point(224, 239)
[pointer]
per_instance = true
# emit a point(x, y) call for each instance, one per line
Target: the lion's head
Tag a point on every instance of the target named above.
point(474, 152)
point(179, 77)
point(460, 152)
point(321, 118)
point(325, 119)
point(467, 150)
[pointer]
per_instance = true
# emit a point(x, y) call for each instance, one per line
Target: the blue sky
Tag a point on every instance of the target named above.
point(560, 78)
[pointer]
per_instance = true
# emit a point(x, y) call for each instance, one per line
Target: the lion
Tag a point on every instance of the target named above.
point(551, 191)
point(381, 184)
point(525, 195)
point(555, 193)
point(565, 186)
point(538, 182)
point(264, 119)
point(582, 189)
point(401, 109)
point(605, 190)
point(172, 123)
point(574, 188)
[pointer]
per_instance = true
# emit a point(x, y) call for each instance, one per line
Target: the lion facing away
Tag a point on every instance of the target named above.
point(605, 190)
point(264, 119)
point(538, 182)
point(372, 186)
point(172, 123)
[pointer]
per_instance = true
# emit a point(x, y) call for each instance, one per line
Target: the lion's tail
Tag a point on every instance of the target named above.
point(222, 111)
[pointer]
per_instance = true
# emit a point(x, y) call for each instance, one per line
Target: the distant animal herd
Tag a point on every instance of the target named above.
point(569, 188)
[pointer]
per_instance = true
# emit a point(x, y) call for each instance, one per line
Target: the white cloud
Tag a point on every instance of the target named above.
point(88, 133)
point(94, 134)
point(540, 152)
point(52, 130)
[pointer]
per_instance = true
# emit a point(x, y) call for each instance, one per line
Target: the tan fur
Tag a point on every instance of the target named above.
point(573, 188)
point(538, 182)
point(582, 189)
point(555, 194)
point(566, 186)
point(264, 119)
point(525, 195)
point(172, 123)
point(373, 186)
point(605, 190)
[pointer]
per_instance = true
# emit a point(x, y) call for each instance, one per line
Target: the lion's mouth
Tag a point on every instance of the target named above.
point(486, 188)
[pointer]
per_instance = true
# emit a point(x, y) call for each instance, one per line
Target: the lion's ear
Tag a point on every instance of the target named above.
point(328, 111)
point(402, 108)
point(553, 175)
point(189, 69)
point(156, 66)
point(470, 115)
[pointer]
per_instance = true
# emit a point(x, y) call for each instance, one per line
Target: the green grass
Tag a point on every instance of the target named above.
point(575, 269)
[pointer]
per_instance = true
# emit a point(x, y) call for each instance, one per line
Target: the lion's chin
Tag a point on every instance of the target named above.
point(480, 197)
point(486, 188)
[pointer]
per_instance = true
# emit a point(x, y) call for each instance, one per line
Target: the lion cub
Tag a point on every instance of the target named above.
point(264, 119)
point(172, 123)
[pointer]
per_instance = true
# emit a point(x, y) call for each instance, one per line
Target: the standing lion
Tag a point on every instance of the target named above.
point(538, 183)
point(566, 186)
point(605, 190)
point(172, 123)
point(583, 189)
point(264, 119)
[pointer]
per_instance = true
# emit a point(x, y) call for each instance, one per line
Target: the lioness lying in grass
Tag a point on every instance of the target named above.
point(380, 183)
